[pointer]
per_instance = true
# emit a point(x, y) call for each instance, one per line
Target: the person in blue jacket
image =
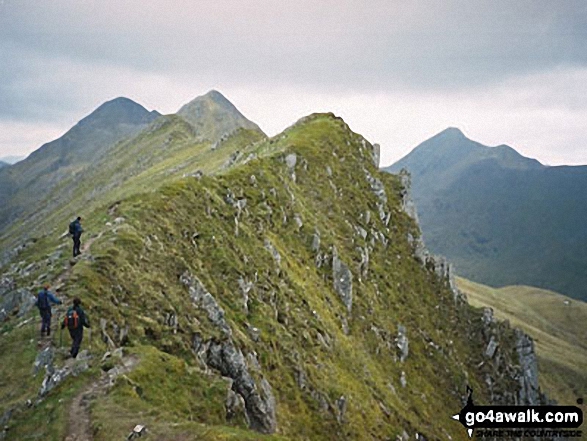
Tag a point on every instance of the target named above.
point(76, 230)
point(44, 300)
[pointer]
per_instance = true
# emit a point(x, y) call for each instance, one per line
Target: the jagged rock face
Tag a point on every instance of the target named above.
point(229, 361)
point(206, 301)
point(343, 280)
point(259, 401)
point(529, 392)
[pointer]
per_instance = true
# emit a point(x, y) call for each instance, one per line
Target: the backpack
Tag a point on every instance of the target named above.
point(43, 300)
point(72, 228)
point(71, 319)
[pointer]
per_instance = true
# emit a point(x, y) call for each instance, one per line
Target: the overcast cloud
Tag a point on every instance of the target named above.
point(397, 71)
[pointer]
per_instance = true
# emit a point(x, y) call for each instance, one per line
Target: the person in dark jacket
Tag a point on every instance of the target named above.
point(76, 230)
point(76, 320)
point(44, 300)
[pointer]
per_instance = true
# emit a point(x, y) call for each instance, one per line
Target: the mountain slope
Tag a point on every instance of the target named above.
point(11, 159)
point(557, 324)
point(503, 219)
point(27, 183)
point(4, 164)
point(213, 116)
point(166, 149)
point(276, 296)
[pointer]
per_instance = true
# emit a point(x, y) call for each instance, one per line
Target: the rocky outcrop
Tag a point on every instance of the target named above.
point(511, 372)
point(226, 358)
point(402, 343)
point(343, 280)
point(529, 392)
point(408, 204)
point(259, 399)
point(203, 299)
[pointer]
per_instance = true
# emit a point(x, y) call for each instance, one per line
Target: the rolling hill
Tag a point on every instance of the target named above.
point(502, 218)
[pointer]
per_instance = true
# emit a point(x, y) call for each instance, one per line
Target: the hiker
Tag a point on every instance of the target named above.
point(76, 230)
point(75, 320)
point(44, 300)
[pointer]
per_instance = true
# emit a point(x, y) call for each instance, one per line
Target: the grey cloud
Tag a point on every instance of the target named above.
point(344, 44)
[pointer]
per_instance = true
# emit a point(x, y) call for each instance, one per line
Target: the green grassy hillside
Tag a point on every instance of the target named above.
point(557, 324)
point(279, 295)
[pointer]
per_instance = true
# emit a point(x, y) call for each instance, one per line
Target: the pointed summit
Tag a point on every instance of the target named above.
point(212, 115)
point(452, 132)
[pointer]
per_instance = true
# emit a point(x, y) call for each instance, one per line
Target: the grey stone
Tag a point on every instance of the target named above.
point(298, 220)
point(408, 204)
point(491, 347)
point(343, 280)
point(376, 154)
point(259, 401)
point(402, 343)
point(44, 360)
point(291, 160)
point(402, 380)
point(529, 393)
point(341, 405)
point(203, 299)
point(269, 247)
point(316, 241)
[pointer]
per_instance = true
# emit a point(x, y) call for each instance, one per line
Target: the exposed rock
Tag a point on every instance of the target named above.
point(491, 347)
point(378, 189)
point(376, 154)
point(341, 405)
point(402, 343)
point(343, 280)
point(291, 160)
point(316, 241)
point(245, 286)
point(259, 401)
point(529, 393)
point(269, 247)
point(402, 379)
point(55, 376)
point(235, 406)
point(205, 300)
point(408, 204)
point(44, 359)
point(298, 220)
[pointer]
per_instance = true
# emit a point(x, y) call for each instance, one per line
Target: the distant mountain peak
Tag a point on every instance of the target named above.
point(452, 133)
point(212, 115)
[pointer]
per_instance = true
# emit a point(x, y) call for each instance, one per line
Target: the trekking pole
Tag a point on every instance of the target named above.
point(60, 337)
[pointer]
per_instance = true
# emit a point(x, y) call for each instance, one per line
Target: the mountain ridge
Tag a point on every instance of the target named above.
point(275, 295)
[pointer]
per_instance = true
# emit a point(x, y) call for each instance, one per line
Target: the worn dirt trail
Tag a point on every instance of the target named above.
point(79, 426)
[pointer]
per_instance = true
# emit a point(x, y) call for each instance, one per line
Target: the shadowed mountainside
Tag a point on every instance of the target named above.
point(503, 219)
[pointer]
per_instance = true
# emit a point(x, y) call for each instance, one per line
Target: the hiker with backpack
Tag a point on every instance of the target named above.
point(75, 321)
point(76, 230)
point(44, 300)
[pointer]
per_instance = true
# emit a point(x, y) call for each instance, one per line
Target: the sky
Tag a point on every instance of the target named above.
point(398, 72)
